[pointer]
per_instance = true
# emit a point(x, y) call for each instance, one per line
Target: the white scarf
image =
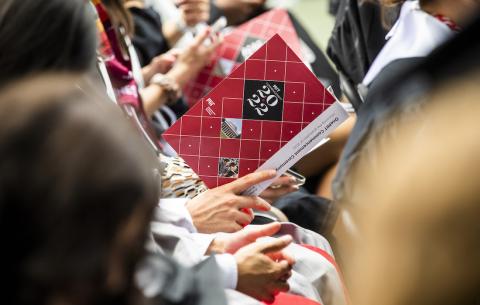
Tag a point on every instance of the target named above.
point(415, 34)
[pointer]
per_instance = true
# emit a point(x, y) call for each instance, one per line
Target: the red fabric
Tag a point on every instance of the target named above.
point(449, 22)
point(330, 258)
point(322, 253)
point(291, 299)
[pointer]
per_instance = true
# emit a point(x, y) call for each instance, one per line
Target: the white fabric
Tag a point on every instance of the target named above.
point(415, 34)
point(228, 265)
point(165, 8)
point(313, 276)
point(173, 230)
point(174, 211)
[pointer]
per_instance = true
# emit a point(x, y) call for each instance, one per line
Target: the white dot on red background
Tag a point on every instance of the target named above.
point(251, 129)
point(211, 127)
point(189, 145)
point(313, 112)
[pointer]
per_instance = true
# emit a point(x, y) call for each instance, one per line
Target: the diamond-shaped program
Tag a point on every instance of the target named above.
point(254, 112)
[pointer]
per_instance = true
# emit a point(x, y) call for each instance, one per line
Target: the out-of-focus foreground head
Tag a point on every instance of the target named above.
point(38, 36)
point(420, 213)
point(76, 195)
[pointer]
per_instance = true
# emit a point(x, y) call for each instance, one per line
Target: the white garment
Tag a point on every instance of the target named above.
point(313, 276)
point(165, 8)
point(415, 34)
point(173, 229)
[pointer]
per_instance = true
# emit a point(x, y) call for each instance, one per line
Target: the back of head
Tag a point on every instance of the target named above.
point(420, 213)
point(39, 36)
point(76, 194)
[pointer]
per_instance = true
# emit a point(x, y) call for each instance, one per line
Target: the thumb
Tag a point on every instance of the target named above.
point(252, 233)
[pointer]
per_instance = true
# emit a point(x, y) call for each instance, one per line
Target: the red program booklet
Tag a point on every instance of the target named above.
point(237, 46)
point(267, 114)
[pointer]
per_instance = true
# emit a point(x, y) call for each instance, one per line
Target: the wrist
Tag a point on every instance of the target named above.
point(217, 245)
point(180, 73)
point(168, 85)
point(147, 72)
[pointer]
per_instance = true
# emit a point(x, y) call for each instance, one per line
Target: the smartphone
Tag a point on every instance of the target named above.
point(299, 179)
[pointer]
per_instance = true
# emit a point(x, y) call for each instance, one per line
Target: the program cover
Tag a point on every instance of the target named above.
point(267, 114)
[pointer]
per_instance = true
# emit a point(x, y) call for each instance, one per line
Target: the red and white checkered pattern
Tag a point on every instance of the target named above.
point(197, 135)
point(227, 55)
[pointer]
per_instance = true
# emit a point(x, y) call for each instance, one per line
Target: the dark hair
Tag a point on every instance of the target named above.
point(120, 15)
point(38, 36)
point(72, 174)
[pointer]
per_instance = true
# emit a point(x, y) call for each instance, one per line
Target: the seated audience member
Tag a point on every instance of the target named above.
point(165, 22)
point(421, 27)
point(262, 283)
point(179, 180)
point(153, 44)
point(179, 17)
point(357, 37)
point(400, 99)
point(67, 45)
point(163, 80)
point(94, 180)
point(418, 211)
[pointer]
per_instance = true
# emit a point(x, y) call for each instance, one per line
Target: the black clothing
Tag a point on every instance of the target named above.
point(357, 38)
point(401, 83)
point(306, 210)
point(148, 40)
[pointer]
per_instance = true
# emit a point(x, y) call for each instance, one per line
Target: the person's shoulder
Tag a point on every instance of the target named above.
point(145, 13)
point(389, 76)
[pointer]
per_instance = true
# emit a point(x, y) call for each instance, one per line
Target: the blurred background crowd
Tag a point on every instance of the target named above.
point(97, 208)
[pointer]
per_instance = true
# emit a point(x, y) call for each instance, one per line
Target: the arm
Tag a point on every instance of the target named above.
point(192, 12)
point(188, 65)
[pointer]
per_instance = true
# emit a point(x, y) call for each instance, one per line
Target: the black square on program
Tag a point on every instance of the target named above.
point(263, 100)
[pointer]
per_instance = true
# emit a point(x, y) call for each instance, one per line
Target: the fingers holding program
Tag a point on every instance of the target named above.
point(223, 209)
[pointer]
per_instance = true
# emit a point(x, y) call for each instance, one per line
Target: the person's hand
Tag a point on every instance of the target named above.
point(196, 56)
point(160, 64)
point(263, 269)
point(282, 186)
point(231, 242)
point(222, 209)
point(194, 11)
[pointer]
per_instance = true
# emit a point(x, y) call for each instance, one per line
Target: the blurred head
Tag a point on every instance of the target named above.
point(419, 208)
point(119, 15)
point(39, 36)
point(76, 195)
